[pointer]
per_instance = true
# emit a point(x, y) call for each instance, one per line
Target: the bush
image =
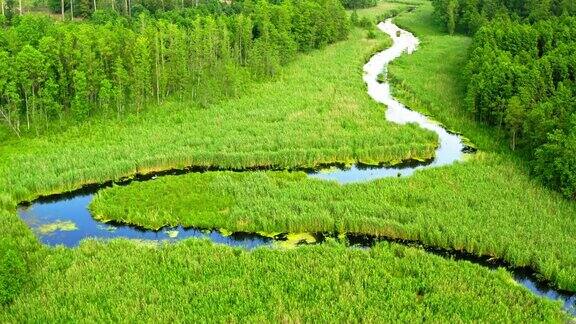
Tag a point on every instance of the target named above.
point(555, 162)
point(354, 20)
point(371, 34)
point(365, 23)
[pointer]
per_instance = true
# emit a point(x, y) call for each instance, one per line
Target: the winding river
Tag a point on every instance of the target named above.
point(66, 220)
point(451, 147)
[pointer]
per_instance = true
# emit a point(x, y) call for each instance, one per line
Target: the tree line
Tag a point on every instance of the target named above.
point(53, 71)
point(357, 4)
point(521, 78)
point(467, 16)
point(70, 9)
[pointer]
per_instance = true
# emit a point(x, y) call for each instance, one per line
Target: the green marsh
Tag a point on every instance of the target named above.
point(129, 281)
point(487, 205)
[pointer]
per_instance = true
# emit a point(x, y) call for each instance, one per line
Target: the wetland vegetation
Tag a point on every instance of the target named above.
point(268, 128)
point(316, 283)
point(309, 109)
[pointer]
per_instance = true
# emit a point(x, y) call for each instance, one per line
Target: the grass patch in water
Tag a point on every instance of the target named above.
point(295, 239)
point(108, 228)
point(58, 226)
point(197, 280)
point(172, 233)
point(382, 77)
point(467, 206)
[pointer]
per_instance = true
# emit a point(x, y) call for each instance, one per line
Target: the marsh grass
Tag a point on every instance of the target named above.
point(468, 206)
point(316, 112)
point(20, 257)
point(487, 205)
point(129, 281)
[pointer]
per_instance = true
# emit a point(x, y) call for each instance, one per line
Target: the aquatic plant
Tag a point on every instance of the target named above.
point(59, 226)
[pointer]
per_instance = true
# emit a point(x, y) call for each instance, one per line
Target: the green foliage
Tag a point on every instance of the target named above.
point(76, 71)
point(142, 70)
point(382, 11)
point(357, 4)
point(354, 18)
point(371, 34)
point(113, 8)
point(366, 23)
point(80, 106)
point(519, 80)
point(196, 280)
point(12, 272)
point(518, 75)
point(18, 252)
point(9, 10)
point(451, 7)
point(555, 161)
point(469, 15)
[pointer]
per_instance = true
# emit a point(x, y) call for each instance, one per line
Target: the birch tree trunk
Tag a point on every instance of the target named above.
point(157, 67)
point(27, 109)
point(8, 119)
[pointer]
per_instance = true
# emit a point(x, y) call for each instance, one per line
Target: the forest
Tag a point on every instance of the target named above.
point(521, 78)
point(57, 73)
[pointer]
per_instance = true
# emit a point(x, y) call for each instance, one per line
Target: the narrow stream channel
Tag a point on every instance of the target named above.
point(66, 220)
point(451, 147)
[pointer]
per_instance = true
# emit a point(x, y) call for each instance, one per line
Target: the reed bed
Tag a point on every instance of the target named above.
point(126, 281)
point(315, 112)
point(468, 206)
